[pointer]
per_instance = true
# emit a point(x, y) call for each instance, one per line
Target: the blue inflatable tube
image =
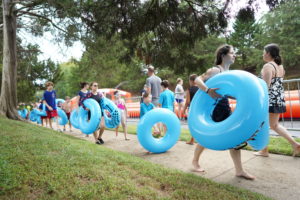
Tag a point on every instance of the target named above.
point(244, 124)
point(63, 119)
point(145, 125)
point(20, 113)
point(74, 118)
point(89, 126)
point(57, 101)
point(115, 116)
point(23, 113)
point(41, 112)
point(261, 139)
point(32, 116)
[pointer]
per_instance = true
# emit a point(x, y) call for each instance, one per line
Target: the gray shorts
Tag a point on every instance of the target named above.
point(155, 101)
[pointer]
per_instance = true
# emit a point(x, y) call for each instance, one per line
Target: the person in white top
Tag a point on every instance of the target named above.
point(179, 97)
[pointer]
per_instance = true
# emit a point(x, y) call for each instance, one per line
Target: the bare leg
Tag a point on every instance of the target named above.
point(125, 130)
point(179, 110)
point(239, 171)
point(50, 123)
point(57, 124)
point(70, 125)
point(95, 136)
point(274, 124)
point(117, 129)
point(191, 141)
point(102, 128)
point(197, 153)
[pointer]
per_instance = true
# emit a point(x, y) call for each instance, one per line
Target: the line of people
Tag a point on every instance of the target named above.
point(158, 94)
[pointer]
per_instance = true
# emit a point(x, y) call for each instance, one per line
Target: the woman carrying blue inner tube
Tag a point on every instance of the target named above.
point(94, 94)
point(273, 73)
point(225, 56)
point(84, 86)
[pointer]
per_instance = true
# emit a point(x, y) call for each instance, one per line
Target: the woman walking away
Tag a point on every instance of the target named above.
point(179, 97)
point(273, 73)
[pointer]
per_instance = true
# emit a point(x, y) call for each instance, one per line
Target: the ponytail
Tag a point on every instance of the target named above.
point(274, 51)
point(277, 60)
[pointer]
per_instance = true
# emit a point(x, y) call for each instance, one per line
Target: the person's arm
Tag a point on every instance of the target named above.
point(187, 101)
point(200, 82)
point(148, 86)
point(77, 99)
point(266, 73)
point(82, 100)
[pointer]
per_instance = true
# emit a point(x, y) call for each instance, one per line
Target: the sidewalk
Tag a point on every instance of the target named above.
point(277, 177)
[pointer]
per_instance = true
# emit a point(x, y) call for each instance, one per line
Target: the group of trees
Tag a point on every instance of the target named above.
point(122, 36)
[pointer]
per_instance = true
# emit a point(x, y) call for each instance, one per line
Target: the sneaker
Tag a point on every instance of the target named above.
point(100, 140)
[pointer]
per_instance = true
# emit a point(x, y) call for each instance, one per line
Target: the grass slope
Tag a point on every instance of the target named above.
point(38, 163)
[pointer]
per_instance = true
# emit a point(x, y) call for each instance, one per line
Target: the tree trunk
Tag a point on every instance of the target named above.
point(8, 98)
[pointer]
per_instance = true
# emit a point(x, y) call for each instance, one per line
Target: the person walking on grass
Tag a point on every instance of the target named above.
point(273, 73)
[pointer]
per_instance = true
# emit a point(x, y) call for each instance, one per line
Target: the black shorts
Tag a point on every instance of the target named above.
point(222, 110)
point(277, 109)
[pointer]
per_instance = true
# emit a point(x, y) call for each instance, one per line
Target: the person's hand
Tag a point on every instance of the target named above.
point(87, 109)
point(50, 108)
point(213, 94)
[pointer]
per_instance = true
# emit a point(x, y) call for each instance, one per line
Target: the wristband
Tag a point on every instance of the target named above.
point(207, 90)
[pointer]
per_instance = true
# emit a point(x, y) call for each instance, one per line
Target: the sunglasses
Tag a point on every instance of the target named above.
point(95, 85)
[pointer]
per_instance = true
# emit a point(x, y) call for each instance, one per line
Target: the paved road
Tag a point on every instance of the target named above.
point(287, 124)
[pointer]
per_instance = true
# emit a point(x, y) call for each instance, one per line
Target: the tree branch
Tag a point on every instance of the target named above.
point(43, 17)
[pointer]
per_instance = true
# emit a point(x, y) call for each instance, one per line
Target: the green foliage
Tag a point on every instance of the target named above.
point(244, 40)
point(101, 63)
point(282, 26)
point(66, 86)
point(33, 73)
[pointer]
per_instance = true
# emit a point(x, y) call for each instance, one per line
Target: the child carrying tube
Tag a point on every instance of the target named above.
point(146, 106)
point(123, 110)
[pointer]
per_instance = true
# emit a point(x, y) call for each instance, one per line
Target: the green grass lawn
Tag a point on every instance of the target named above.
point(38, 163)
point(277, 145)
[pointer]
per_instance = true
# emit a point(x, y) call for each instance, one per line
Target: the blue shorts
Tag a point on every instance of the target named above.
point(179, 100)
